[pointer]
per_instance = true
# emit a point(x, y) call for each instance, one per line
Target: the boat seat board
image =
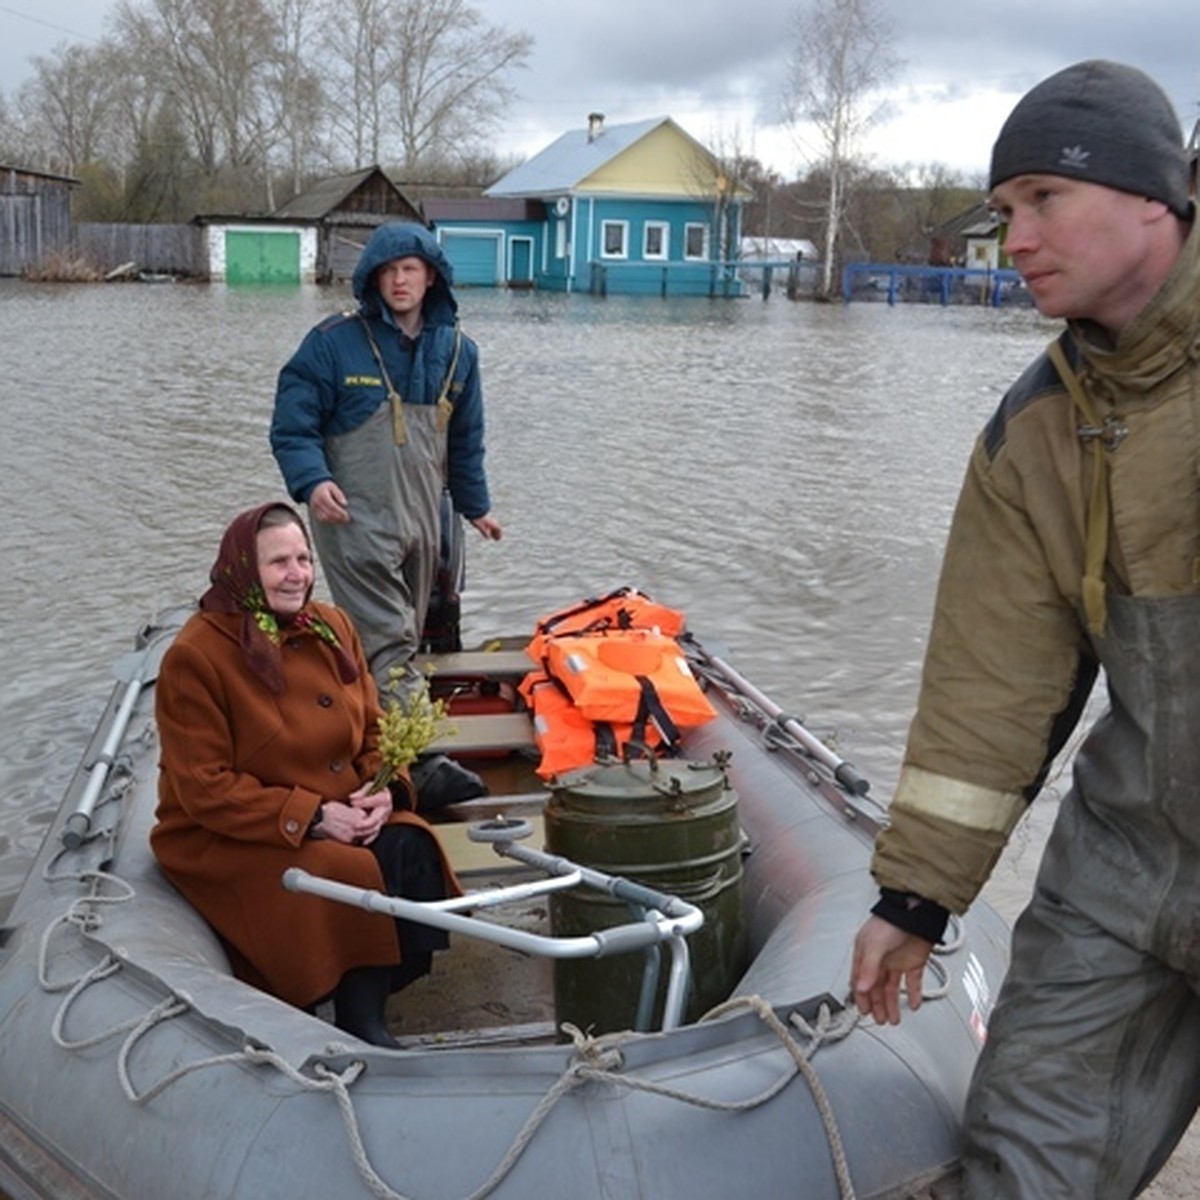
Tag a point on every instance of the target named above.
point(480, 733)
point(484, 808)
point(482, 664)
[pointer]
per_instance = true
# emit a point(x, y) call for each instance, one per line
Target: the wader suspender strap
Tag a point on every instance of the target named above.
point(444, 404)
point(1095, 607)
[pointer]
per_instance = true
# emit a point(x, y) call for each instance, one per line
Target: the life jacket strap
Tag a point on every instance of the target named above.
point(651, 708)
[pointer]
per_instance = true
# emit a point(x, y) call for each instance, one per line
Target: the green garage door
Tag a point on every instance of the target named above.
point(474, 257)
point(260, 256)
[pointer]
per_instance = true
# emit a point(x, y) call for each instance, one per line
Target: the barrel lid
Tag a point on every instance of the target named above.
point(669, 782)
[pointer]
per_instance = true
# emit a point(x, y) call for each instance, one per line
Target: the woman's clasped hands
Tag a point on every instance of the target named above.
point(357, 820)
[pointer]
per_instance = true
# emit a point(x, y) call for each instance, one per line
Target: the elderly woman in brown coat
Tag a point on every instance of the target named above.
point(268, 720)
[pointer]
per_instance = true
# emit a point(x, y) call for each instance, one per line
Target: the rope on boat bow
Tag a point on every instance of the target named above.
point(827, 1028)
point(598, 1060)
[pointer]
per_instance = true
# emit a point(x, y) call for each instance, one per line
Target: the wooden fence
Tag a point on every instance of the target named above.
point(151, 249)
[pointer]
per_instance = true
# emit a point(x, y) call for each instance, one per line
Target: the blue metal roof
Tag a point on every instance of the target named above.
point(571, 158)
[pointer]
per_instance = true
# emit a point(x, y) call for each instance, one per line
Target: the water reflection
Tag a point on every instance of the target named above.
point(783, 472)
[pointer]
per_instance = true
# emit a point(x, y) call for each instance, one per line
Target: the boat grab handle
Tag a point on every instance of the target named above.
point(671, 926)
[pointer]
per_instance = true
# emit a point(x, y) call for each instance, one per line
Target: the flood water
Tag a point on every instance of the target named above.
point(783, 472)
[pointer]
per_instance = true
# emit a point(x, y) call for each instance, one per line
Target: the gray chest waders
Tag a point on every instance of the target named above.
point(1091, 1071)
point(382, 564)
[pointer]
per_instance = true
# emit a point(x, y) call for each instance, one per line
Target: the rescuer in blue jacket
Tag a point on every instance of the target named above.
point(375, 414)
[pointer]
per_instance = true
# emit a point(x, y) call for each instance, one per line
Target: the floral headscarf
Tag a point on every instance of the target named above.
point(238, 590)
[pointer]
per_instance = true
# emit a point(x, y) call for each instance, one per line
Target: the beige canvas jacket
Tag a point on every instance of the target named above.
point(1009, 661)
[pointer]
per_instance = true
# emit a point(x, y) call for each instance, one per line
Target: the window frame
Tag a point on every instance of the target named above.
point(662, 227)
point(705, 234)
point(606, 224)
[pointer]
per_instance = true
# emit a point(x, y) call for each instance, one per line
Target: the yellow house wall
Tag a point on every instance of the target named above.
point(664, 163)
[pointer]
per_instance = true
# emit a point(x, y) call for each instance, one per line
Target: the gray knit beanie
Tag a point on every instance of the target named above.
point(1100, 122)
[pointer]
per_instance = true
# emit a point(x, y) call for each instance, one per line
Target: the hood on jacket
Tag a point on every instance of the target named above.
point(405, 239)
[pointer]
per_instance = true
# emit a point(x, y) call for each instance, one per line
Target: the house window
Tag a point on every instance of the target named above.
point(695, 241)
point(656, 240)
point(560, 240)
point(614, 239)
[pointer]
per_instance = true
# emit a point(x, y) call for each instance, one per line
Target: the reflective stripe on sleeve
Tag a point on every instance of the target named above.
point(964, 804)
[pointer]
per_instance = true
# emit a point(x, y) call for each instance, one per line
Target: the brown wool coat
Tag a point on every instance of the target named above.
point(242, 773)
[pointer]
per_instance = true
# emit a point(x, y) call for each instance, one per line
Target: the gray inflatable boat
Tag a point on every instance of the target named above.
point(645, 998)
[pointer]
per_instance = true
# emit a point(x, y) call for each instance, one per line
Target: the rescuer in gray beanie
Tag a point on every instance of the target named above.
point(1100, 122)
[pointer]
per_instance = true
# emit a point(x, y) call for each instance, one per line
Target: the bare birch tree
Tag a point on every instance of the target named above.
point(418, 80)
point(215, 57)
point(294, 97)
point(66, 105)
point(841, 57)
point(451, 89)
point(718, 172)
point(359, 64)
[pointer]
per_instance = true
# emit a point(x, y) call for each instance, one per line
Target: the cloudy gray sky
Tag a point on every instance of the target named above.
point(717, 67)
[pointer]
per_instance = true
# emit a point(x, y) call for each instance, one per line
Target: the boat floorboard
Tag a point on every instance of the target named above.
point(478, 991)
point(535, 1033)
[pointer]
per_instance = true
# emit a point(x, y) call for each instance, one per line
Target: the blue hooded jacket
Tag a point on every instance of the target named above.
point(332, 383)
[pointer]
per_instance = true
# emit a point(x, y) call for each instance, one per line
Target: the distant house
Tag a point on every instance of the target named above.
point(982, 244)
point(35, 217)
point(777, 249)
point(636, 208)
point(971, 239)
point(346, 209)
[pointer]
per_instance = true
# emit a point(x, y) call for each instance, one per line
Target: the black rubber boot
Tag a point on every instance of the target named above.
point(360, 1005)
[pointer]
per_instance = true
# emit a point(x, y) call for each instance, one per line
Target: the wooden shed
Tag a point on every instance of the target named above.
point(35, 217)
point(346, 210)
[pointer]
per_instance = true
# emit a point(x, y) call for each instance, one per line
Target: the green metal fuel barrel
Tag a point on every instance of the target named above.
point(670, 825)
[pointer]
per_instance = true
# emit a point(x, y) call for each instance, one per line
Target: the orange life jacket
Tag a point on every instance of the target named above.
point(624, 608)
point(633, 676)
point(612, 675)
point(565, 737)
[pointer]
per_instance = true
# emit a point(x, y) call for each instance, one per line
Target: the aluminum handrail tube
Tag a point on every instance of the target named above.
point(844, 772)
point(79, 823)
point(493, 897)
point(607, 941)
point(616, 885)
point(145, 663)
point(678, 981)
point(622, 939)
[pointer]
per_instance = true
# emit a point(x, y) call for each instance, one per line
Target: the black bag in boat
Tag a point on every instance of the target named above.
point(439, 781)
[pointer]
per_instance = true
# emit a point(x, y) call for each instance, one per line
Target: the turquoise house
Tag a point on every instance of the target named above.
point(640, 208)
